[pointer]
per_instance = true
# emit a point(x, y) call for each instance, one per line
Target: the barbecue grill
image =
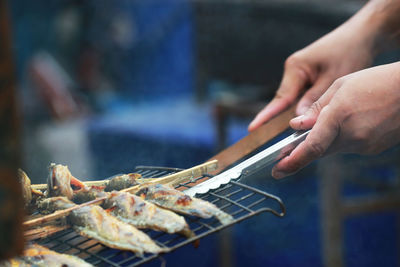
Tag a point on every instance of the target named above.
point(237, 199)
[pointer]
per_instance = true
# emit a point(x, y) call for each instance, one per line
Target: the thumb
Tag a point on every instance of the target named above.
point(293, 82)
point(313, 94)
point(308, 119)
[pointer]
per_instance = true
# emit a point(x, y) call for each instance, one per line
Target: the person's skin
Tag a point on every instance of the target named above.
point(311, 71)
point(359, 113)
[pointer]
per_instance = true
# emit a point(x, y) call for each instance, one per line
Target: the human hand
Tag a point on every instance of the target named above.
point(349, 48)
point(359, 113)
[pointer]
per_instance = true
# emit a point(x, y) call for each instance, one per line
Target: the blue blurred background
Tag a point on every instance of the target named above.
point(105, 86)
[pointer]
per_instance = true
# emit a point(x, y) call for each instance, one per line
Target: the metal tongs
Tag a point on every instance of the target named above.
point(262, 159)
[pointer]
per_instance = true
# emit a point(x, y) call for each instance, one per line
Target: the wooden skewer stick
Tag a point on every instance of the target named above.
point(179, 177)
point(60, 213)
point(194, 172)
point(88, 183)
point(43, 232)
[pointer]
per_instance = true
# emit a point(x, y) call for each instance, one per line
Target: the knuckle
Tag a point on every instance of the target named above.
point(316, 107)
point(293, 61)
point(339, 82)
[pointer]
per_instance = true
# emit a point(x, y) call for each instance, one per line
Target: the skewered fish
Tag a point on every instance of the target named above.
point(15, 262)
point(123, 181)
point(177, 201)
point(29, 194)
point(136, 211)
point(26, 187)
point(39, 256)
point(94, 222)
point(86, 194)
point(59, 181)
point(143, 214)
point(50, 205)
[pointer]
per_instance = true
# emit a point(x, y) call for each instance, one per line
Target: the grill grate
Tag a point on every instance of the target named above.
point(239, 200)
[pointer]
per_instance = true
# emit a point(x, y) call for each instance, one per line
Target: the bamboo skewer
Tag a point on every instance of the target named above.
point(88, 183)
point(43, 232)
point(178, 177)
point(60, 213)
point(188, 174)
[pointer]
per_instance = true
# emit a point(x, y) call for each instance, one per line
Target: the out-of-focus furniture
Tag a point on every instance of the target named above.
point(238, 109)
point(384, 194)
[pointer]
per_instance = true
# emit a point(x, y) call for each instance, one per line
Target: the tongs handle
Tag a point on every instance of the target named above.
point(256, 162)
point(273, 153)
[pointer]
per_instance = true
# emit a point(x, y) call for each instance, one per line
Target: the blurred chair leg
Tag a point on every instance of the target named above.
point(225, 246)
point(329, 171)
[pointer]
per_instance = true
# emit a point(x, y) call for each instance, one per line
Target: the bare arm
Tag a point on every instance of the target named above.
point(351, 47)
point(359, 113)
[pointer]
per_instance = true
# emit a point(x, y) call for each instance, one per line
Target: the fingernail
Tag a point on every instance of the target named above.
point(251, 125)
point(297, 119)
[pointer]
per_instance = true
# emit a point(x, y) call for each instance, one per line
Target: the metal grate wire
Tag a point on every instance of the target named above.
point(239, 200)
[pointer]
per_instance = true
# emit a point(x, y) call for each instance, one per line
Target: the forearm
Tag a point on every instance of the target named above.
point(379, 22)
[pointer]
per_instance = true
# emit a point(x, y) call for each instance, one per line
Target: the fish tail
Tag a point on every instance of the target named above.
point(224, 218)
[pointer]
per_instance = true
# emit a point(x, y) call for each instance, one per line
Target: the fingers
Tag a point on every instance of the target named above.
point(293, 83)
point(323, 134)
point(308, 119)
point(313, 94)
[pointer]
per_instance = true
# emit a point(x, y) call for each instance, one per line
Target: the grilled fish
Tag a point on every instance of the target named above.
point(143, 214)
point(136, 211)
point(15, 262)
point(122, 181)
point(177, 201)
point(86, 194)
point(39, 256)
point(29, 194)
point(94, 222)
point(26, 187)
point(52, 204)
point(59, 181)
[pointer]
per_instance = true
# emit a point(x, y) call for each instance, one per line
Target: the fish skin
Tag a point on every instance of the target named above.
point(43, 257)
point(177, 201)
point(15, 262)
point(86, 194)
point(26, 187)
point(52, 204)
point(39, 256)
point(122, 181)
point(60, 177)
point(144, 214)
point(94, 222)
